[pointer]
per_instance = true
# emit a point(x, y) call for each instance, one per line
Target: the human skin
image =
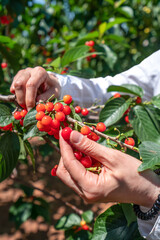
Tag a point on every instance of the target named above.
point(34, 84)
point(119, 180)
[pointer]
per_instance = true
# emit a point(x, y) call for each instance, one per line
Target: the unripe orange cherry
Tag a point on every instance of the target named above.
point(60, 116)
point(49, 106)
point(85, 130)
point(40, 107)
point(129, 141)
point(101, 127)
point(58, 107)
point(40, 115)
point(46, 120)
point(67, 99)
point(24, 112)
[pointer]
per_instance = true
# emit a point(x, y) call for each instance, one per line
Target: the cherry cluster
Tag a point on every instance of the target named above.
point(18, 115)
point(91, 44)
point(52, 117)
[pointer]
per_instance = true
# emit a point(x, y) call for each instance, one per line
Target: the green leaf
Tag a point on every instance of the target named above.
point(154, 115)
point(88, 216)
point(113, 111)
point(83, 73)
point(30, 118)
point(68, 221)
point(9, 148)
point(33, 132)
point(20, 211)
point(74, 54)
point(156, 101)
point(110, 56)
point(56, 63)
point(127, 88)
point(112, 224)
point(5, 115)
point(29, 150)
point(150, 153)
point(143, 124)
point(114, 22)
point(102, 28)
point(27, 190)
point(129, 213)
point(22, 154)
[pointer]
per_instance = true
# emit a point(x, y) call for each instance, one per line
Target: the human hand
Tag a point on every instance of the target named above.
point(119, 180)
point(34, 84)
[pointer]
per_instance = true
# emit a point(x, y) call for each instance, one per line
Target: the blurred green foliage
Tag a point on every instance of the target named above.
point(124, 31)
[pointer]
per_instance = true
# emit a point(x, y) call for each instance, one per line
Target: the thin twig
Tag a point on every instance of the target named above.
point(77, 210)
point(8, 98)
point(51, 144)
point(114, 139)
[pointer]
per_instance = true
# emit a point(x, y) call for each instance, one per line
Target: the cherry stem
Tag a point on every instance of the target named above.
point(114, 139)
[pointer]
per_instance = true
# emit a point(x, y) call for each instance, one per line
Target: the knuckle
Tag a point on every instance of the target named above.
point(18, 84)
point(40, 70)
point(30, 84)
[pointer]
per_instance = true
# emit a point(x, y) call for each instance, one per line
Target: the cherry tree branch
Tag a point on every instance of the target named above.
point(73, 207)
point(8, 98)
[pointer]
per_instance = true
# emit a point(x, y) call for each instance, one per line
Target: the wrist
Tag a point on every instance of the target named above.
point(57, 87)
point(150, 189)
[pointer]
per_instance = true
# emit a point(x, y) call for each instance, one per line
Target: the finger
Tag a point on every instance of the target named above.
point(44, 96)
point(106, 156)
point(38, 76)
point(65, 177)
point(19, 84)
point(76, 170)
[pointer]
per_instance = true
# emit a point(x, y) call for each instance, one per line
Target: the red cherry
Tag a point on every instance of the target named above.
point(117, 95)
point(85, 227)
point(126, 119)
point(55, 123)
point(93, 136)
point(17, 115)
point(101, 127)
point(86, 161)
point(77, 109)
point(77, 154)
point(84, 111)
point(21, 122)
point(49, 106)
point(67, 99)
point(60, 116)
point(127, 111)
point(53, 171)
point(129, 141)
point(40, 115)
point(58, 107)
point(24, 112)
point(63, 72)
point(4, 65)
point(40, 126)
point(40, 107)
point(7, 127)
point(66, 133)
point(138, 100)
point(66, 110)
point(85, 130)
point(46, 120)
point(94, 55)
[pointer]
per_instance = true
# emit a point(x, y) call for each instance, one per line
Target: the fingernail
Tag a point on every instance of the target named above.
point(76, 137)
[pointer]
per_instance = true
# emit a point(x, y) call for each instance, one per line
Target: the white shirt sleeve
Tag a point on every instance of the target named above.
point(86, 91)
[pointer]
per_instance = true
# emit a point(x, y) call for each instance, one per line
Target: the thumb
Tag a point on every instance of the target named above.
point(106, 156)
